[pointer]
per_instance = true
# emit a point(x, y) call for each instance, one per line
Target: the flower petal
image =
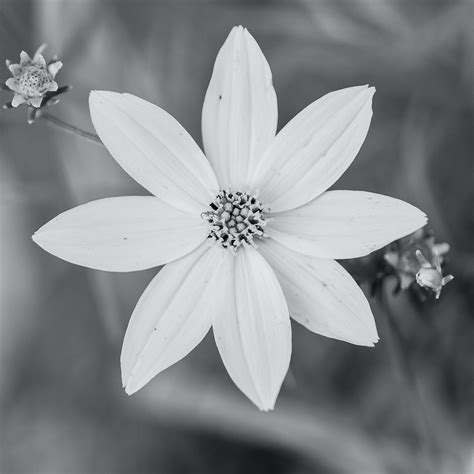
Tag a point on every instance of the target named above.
point(321, 295)
point(154, 149)
point(35, 101)
point(39, 60)
point(172, 316)
point(53, 86)
point(18, 99)
point(239, 115)
point(345, 224)
point(15, 69)
point(24, 58)
point(53, 68)
point(38, 56)
point(12, 84)
point(253, 333)
point(314, 149)
point(122, 234)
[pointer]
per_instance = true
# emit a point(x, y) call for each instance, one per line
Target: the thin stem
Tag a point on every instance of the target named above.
point(396, 345)
point(70, 128)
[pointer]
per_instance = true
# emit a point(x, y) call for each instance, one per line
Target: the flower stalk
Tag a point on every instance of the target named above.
point(62, 125)
point(399, 355)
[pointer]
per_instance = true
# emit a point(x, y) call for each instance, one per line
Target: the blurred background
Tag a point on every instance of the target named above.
point(342, 408)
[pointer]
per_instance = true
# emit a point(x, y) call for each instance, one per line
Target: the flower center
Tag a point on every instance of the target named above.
point(33, 81)
point(235, 219)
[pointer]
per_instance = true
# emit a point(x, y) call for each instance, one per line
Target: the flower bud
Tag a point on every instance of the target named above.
point(33, 82)
point(417, 259)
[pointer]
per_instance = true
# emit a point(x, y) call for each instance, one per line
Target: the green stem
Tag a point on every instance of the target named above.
point(55, 122)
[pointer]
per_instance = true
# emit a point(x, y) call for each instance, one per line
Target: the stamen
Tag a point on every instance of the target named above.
point(235, 219)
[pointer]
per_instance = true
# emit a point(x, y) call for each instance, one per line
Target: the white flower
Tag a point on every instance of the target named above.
point(32, 78)
point(243, 280)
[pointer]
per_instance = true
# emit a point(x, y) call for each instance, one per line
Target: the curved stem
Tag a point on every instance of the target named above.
point(54, 121)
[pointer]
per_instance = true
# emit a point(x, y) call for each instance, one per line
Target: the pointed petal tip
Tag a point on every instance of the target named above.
point(365, 89)
point(264, 402)
point(420, 219)
point(369, 341)
point(369, 91)
point(375, 341)
point(373, 337)
point(130, 384)
point(39, 233)
point(264, 405)
point(135, 382)
point(266, 409)
point(240, 30)
point(129, 390)
point(37, 238)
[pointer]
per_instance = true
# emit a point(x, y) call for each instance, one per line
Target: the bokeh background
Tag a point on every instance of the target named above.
point(342, 409)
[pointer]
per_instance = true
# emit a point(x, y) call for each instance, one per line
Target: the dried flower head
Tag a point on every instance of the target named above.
point(417, 259)
point(32, 78)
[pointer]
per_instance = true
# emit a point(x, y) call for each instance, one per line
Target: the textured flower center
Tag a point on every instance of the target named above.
point(235, 219)
point(33, 81)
